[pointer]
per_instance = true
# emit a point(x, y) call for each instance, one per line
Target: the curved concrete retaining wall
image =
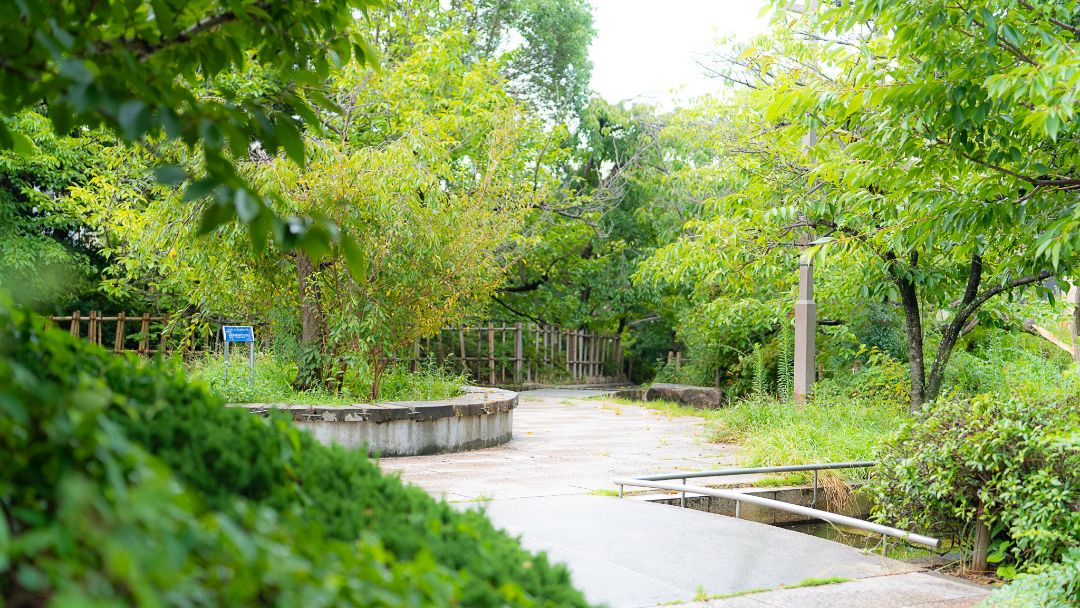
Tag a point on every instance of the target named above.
point(481, 418)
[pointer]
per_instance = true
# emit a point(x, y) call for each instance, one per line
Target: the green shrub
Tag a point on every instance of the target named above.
point(1018, 365)
point(234, 510)
point(1057, 586)
point(90, 519)
point(883, 380)
point(1016, 460)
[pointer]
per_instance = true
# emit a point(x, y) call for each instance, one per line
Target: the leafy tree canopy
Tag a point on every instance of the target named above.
point(149, 69)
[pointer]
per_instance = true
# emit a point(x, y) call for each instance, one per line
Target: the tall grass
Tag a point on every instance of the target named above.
point(273, 382)
point(1018, 365)
point(773, 432)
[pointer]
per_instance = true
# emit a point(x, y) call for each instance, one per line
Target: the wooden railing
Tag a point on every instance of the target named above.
point(495, 353)
point(504, 353)
point(145, 334)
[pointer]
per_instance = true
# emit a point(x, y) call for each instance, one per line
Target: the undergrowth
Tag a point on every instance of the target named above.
point(272, 382)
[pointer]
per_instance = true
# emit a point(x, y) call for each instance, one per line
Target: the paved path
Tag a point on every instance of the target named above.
point(628, 553)
point(565, 443)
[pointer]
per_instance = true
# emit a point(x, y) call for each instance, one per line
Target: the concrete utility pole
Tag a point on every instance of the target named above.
point(805, 309)
point(805, 326)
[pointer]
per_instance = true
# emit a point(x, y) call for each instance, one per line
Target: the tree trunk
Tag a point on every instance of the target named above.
point(377, 367)
point(909, 298)
point(309, 372)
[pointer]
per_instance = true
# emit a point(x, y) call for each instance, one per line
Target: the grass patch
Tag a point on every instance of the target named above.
point(603, 492)
point(774, 432)
point(777, 433)
point(817, 582)
point(784, 480)
point(273, 378)
point(702, 596)
point(670, 408)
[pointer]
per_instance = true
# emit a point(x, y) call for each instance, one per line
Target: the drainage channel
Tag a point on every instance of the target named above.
point(764, 509)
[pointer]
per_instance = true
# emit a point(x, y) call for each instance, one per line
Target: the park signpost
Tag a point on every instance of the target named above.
point(239, 333)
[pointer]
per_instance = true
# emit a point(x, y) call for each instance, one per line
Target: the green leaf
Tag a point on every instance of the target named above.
point(214, 216)
point(290, 139)
point(355, 258)
point(170, 175)
point(247, 204)
point(1008, 571)
point(200, 189)
point(164, 17)
point(21, 144)
point(133, 118)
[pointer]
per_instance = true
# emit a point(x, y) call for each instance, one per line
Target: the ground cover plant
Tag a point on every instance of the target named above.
point(129, 484)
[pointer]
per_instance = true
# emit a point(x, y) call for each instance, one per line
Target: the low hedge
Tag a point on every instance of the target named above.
point(127, 484)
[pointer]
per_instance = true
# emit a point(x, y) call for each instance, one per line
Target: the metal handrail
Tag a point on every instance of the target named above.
point(660, 482)
point(746, 471)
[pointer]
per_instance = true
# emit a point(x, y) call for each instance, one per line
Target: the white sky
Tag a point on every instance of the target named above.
point(645, 49)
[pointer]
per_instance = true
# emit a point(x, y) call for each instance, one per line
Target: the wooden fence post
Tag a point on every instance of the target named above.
point(118, 347)
point(518, 353)
point(76, 329)
point(532, 370)
point(144, 340)
point(569, 357)
point(461, 344)
point(165, 335)
point(491, 353)
point(595, 338)
point(577, 354)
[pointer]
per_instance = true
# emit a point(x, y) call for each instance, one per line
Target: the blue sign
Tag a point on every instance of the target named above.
point(238, 333)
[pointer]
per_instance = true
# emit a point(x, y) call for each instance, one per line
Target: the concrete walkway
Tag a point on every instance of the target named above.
point(629, 553)
point(565, 443)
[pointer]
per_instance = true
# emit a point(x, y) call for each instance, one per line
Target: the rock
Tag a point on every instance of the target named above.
point(701, 397)
point(633, 394)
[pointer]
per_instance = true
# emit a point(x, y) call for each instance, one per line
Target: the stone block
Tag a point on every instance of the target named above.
point(701, 397)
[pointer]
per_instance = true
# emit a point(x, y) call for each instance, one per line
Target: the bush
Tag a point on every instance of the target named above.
point(1014, 461)
point(1057, 586)
point(883, 380)
point(1018, 365)
point(228, 510)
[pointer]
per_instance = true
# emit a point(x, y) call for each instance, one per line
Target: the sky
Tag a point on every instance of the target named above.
point(645, 50)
